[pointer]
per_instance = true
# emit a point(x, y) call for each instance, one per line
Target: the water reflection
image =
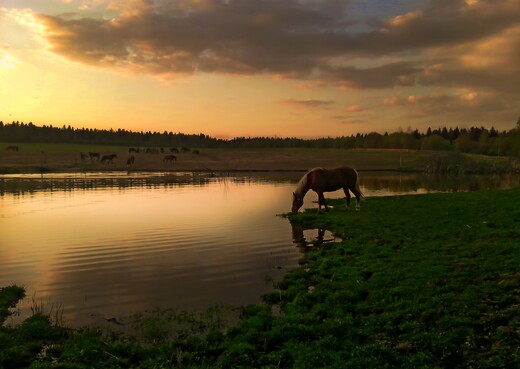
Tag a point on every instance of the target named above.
point(372, 183)
point(109, 252)
point(108, 245)
point(29, 184)
point(306, 238)
point(381, 184)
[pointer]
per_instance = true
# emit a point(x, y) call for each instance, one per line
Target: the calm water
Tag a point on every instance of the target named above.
point(109, 245)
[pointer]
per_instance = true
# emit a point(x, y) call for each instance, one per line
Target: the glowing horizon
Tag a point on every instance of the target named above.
point(229, 68)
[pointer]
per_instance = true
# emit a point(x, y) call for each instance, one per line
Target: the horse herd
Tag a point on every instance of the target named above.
point(109, 158)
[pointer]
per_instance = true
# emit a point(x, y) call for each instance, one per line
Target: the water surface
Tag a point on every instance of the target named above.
point(108, 245)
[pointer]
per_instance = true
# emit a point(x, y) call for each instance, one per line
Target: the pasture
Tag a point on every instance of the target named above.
point(36, 158)
point(424, 281)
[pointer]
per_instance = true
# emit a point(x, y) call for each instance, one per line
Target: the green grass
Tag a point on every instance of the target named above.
point(9, 297)
point(420, 281)
point(426, 281)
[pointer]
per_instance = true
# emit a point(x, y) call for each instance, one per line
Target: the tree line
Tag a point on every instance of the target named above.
point(473, 140)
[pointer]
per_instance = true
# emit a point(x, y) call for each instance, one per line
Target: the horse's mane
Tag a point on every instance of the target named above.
point(303, 182)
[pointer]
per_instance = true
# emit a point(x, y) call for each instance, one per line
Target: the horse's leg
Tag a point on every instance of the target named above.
point(321, 200)
point(347, 194)
point(358, 199)
point(320, 195)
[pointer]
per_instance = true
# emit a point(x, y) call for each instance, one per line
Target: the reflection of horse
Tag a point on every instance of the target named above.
point(298, 236)
point(300, 240)
point(326, 180)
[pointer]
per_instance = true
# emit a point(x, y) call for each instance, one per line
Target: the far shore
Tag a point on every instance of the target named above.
point(63, 158)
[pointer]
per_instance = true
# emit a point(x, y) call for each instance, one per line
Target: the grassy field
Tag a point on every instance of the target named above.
point(425, 281)
point(43, 158)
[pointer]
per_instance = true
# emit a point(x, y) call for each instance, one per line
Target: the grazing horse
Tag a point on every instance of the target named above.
point(12, 148)
point(108, 158)
point(196, 152)
point(169, 159)
point(93, 155)
point(326, 180)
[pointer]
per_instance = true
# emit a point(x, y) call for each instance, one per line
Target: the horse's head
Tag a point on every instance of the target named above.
point(297, 202)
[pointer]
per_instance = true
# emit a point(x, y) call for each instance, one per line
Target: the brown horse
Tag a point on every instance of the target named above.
point(169, 159)
point(105, 159)
point(326, 180)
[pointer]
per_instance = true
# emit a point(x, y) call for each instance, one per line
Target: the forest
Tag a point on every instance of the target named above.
point(479, 140)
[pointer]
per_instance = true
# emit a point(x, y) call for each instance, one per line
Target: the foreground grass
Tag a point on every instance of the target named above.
point(428, 281)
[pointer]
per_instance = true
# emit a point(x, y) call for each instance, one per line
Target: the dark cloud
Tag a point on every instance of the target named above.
point(307, 103)
point(345, 119)
point(386, 76)
point(456, 105)
point(297, 39)
point(444, 23)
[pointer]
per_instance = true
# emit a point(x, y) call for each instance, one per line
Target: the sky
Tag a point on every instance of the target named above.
point(285, 68)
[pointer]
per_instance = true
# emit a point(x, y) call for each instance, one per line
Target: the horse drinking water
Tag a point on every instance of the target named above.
point(327, 180)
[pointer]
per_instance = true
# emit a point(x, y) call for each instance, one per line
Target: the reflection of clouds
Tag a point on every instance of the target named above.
point(124, 251)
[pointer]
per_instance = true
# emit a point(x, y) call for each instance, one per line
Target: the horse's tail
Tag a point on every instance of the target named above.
point(357, 184)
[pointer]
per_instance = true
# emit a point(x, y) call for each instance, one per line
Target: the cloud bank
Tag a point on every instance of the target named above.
point(471, 45)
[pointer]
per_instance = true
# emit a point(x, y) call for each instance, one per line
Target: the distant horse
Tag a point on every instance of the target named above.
point(130, 160)
point(93, 155)
point(108, 158)
point(326, 180)
point(12, 148)
point(174, 150)
point(169, 159)
point(196, 152)
point(133, 150)
point(152, 150)
point(83, 156)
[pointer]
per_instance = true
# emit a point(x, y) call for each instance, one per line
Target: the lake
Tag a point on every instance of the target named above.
point(105, 245)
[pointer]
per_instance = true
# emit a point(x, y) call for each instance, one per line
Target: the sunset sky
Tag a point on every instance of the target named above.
point(227, 68)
